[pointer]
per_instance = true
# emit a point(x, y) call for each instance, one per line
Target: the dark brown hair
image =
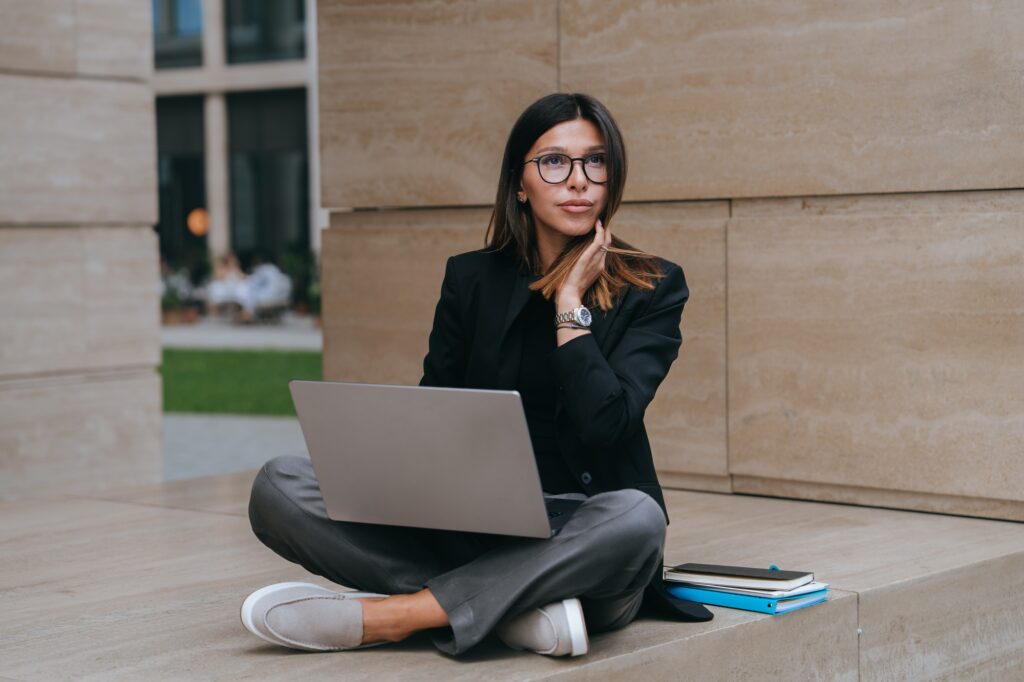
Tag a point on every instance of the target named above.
point(511, 228)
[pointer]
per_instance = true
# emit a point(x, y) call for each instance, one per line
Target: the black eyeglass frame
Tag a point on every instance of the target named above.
point(572, 164)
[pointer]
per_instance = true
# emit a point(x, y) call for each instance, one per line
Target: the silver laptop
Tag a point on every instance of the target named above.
point(444, 458)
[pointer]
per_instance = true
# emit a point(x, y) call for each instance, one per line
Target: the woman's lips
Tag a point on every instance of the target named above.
point(576, 207)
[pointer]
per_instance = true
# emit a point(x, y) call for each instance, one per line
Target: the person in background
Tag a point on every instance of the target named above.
point(228, 286)
point(266, 289)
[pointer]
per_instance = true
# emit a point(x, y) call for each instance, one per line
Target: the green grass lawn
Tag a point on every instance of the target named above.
point(234, 381)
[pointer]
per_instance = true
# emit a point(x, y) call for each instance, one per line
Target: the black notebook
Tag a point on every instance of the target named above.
point(712, 575)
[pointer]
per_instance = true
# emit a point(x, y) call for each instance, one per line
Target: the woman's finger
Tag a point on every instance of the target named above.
point(599, 235)
point(594, 247)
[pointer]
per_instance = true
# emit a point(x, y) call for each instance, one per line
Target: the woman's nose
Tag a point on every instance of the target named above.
point(577, 176)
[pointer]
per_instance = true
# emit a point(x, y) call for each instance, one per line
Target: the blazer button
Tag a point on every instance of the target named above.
point(586, 478)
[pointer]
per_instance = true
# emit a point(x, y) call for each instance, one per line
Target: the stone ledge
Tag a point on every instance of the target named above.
point(146, 585)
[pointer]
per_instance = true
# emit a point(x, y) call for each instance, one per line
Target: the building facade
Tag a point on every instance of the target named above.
point(235, 87)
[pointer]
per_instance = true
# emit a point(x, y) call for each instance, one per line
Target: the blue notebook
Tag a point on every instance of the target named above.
point(747, 602)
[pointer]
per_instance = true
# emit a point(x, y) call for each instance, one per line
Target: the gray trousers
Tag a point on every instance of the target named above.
point(605, 554)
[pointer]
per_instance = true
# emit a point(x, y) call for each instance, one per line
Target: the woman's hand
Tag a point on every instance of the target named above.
point(585, 271)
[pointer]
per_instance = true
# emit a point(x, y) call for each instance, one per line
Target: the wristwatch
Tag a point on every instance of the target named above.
point(579, 318)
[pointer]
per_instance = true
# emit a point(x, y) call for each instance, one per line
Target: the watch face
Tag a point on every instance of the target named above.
point(583, 316)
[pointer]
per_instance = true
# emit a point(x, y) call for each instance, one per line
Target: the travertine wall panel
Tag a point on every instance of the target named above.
point(37, 35)
point(77, 299)
point(802, 97)
point(76, 151)
point(88, 37)
point(862, 346)
point(79, 304)
point(383, 270)
point(416, 99)
point(985, 507)
point(122, 287)
point(876, 342)
point(687, 420)
point(114, 38)
point(79, 434)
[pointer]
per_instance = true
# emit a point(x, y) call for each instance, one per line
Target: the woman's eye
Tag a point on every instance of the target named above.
point(552, 160)
point(595, 160)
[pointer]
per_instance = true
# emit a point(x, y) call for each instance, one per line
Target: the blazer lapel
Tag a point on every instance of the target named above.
point(510, 342)
point(517, 298)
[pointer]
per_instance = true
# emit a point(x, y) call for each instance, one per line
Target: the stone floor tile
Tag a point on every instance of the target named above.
point(224, 494)
point(148, 586)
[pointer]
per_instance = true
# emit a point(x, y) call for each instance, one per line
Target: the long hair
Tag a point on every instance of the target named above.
point(511, 228)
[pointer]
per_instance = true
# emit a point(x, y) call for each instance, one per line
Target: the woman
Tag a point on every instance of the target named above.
point(585, 327)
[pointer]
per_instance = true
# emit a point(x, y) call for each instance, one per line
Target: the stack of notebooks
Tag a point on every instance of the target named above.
point(751, 589)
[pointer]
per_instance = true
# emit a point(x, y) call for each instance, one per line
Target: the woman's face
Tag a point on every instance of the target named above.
point(570, 208)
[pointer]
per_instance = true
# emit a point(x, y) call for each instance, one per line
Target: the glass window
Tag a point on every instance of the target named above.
point(177, 33)
point(264, 30)
point(270, 181)
point(182, 183)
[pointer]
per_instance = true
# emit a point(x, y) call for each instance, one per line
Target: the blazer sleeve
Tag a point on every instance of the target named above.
point(606, 397)
point(445, 362)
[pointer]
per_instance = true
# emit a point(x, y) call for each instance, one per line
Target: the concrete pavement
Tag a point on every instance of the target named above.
point(209, 444)
point(295, 332)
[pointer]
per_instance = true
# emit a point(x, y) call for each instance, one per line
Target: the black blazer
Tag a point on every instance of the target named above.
point(606, 378)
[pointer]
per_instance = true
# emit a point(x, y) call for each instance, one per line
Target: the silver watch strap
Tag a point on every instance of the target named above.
point(567, 316)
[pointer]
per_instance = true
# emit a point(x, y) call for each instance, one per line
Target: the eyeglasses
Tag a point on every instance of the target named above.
point(556, 168)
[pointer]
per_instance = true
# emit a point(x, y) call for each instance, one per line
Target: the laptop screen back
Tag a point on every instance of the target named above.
point(454, 459)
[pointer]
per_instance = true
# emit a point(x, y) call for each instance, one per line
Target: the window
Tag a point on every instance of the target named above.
point(177, 33)
point(264, 30)
point(270, 181)
point(182, 182)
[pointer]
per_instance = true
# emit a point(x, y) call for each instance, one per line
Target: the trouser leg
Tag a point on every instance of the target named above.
point(606, 554)
point(287, 514)
point(611, 613)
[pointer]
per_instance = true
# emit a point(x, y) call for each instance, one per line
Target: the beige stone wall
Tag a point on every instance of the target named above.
point(79, 342)
point(840, 182)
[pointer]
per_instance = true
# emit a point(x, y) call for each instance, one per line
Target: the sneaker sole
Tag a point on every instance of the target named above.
point(577, 627)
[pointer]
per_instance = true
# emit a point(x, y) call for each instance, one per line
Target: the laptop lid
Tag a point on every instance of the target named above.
point(426, 457)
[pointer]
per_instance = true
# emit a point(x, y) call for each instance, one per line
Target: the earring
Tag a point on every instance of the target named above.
point(522, 198)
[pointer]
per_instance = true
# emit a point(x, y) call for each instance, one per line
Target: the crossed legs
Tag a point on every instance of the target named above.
point(605, 555)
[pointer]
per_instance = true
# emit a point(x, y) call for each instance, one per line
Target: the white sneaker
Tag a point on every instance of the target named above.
point(306, 616)
point(557, 629)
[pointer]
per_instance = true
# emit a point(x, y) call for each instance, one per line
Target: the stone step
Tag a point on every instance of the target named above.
point(145, 583)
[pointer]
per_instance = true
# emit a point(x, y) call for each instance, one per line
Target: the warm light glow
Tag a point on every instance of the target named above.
point(198, 221)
